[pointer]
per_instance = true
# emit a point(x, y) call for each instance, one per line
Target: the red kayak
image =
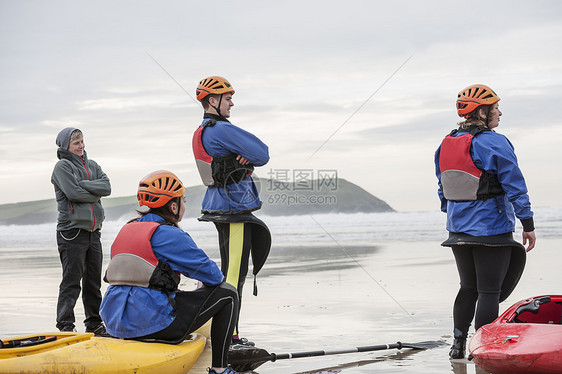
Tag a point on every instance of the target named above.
point(526, 338)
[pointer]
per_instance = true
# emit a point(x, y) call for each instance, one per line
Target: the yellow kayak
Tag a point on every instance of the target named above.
point(71, 352)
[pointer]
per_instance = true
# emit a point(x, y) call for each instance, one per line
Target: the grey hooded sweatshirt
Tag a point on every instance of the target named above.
point(79, 185)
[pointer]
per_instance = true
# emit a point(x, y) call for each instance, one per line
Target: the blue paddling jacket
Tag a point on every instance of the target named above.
point(494, 154)
point(225, 139)
point(133, 311)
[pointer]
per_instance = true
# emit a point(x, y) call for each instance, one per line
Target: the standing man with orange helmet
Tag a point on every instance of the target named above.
point(147, 258)
point(226, 156)
point(482, 190)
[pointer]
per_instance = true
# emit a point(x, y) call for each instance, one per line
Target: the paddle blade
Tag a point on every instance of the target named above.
point(248, 358)
point(424, 345)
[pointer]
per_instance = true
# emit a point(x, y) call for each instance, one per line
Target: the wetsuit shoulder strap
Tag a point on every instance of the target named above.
point(210, 122)
point(472, 130)
point(478, 130)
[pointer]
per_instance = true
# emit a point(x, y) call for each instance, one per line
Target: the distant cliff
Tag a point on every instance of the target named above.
point(279, 199)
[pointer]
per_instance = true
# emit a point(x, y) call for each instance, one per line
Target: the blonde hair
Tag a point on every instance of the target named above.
point(75, 135)
point(470, 122)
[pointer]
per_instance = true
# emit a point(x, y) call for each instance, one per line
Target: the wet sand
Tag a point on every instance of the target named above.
point(324, 294)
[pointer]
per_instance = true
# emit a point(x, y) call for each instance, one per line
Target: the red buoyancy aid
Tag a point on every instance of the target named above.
point(461, 180)
point(202, 158)
point(133, 262)
point(217, 171)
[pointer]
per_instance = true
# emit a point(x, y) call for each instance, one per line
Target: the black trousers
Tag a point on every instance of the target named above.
point(81, 257)
point(482, 270)
point(194, 308)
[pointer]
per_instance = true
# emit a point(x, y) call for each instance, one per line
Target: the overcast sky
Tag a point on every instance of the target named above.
point(301, 69)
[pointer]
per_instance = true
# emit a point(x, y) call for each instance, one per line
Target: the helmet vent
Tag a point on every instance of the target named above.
point(147, 197)
point(173, 186)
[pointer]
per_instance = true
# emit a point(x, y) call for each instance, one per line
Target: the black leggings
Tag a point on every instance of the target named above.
point(235, 242)
point(482, 271)
point(194, 308)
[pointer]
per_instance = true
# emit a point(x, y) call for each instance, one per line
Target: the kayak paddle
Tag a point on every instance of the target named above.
point(245, 359)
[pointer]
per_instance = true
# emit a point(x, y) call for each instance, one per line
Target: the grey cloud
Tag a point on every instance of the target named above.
point(300, 68)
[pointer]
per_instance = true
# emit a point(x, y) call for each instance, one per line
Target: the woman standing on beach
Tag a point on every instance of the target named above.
point(79, 183)
point(482, 190)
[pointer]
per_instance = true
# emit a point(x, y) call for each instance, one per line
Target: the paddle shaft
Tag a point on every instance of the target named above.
point(249, 359)
point(369, 348)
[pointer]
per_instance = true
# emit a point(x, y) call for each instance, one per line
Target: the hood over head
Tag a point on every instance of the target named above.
point(63, 138)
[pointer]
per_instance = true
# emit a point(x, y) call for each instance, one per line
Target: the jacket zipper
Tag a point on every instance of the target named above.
point(92, 205)
point(498, 204)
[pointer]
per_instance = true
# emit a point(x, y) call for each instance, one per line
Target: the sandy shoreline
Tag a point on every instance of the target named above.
point(312, 297)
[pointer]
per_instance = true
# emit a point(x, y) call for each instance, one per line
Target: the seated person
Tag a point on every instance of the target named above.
point(147, 258)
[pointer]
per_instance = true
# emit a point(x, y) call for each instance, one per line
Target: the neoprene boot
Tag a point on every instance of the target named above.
point(458, 348)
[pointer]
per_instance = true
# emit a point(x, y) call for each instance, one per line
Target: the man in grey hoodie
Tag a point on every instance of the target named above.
point(79, 184)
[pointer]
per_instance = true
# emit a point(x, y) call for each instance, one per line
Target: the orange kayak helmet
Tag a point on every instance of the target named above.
point(473, 96)
point(213, 86)
point(159, 187)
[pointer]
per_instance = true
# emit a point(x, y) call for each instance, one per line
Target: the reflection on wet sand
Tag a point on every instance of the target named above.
point(461, 367)
point(399, 356)
point(290, 259)
point(313, 293)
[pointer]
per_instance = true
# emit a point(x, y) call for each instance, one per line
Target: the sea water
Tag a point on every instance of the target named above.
point(332, 281)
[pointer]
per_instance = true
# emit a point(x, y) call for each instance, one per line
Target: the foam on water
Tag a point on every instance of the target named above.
point(305, 229)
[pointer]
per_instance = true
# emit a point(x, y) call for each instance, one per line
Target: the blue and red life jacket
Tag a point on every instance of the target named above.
point(217, 171)
point(461, 179)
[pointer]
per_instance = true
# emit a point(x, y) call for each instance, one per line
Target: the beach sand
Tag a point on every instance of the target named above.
point(311, 297)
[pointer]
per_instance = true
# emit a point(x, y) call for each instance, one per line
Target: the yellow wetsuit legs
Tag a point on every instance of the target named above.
point(235, 241)
point(235, 249)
